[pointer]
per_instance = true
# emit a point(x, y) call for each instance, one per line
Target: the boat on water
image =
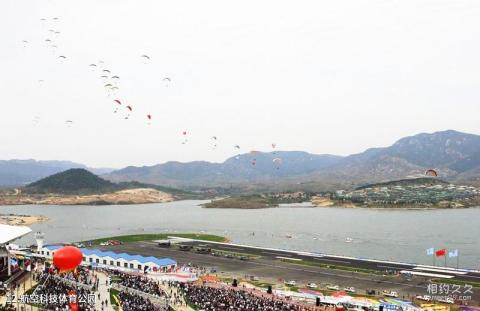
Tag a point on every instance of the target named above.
point(348, 240)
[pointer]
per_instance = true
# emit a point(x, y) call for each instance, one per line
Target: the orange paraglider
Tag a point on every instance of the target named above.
point(431, 172)
point(67, 258)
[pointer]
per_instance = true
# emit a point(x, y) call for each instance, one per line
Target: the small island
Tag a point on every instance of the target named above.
point(256, 201)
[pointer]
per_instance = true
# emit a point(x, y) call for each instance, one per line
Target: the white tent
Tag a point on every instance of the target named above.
point(11, 233)
point(8, 234)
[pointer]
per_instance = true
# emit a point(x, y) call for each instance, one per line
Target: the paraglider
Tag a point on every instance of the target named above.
point(129, 108)
point(274, 145)
point(214, 137)
point(184, 133)
point(431, 172)
point(149, 117)
point(106, 70)
point(62, 56)
point(115, 77)
point(68, 258)
point(167, 79)
point(277, 162)
point(108, 85)
point(236, 146)
point(117, 101)
point(93, 65)
point(145, 58)
point(104, 77)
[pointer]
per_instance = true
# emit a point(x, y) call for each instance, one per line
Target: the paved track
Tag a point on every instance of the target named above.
point(269, 268)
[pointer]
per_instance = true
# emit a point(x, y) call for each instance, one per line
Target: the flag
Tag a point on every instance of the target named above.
point(430, 251)
point(453, 253)
point(441, 252)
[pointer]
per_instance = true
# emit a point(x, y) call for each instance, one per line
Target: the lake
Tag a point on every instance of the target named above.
point(399, 235)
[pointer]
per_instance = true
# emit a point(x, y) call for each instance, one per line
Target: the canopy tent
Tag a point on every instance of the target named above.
point(11, 233)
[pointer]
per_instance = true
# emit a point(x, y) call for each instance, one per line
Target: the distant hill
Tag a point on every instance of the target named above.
point(82, 182)
point(72, 181)
point(22, 172)
point(257, 167)
point(455, 155)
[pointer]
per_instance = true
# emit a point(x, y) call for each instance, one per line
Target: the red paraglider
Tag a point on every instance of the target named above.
point(67, 258)
point(431, 172)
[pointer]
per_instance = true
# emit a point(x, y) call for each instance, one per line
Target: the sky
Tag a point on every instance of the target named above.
point(332, 77)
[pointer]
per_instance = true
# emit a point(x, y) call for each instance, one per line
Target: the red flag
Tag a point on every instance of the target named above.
point(441, 252)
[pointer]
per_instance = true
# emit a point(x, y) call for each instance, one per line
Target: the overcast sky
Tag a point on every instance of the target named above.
point(321, 76)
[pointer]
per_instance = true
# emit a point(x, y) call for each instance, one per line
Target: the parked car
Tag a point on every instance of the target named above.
point(333, 287)
point(350, 289)
point(390, 293)
point(291, 283)
point(424, 297)
point(448, 300)
point(312, 285)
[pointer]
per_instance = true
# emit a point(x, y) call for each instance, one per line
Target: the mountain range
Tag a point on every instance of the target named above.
point(22, 172)
point(454, 155)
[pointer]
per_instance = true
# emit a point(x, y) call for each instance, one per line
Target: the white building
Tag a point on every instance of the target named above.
point(121, 261)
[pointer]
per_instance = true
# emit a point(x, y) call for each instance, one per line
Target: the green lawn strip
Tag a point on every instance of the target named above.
point(260, 284)
point(328, 266)
point(456, 282)
point(159, 236)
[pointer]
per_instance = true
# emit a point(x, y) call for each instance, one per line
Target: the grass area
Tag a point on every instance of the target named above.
point(260, 284)
point(334, 267)
point(159, 236)
point(114, 297)
point(456, 282)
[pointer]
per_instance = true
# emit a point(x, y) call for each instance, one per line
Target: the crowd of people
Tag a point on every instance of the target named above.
point(53, 294)
point(133, 302)
point(82, 275)
point(140, 283)
point(222, 299)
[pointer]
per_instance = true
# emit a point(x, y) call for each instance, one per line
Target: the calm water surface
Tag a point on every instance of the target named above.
point(400, 235)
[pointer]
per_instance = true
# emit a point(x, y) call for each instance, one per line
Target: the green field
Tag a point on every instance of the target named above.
point(159, 236)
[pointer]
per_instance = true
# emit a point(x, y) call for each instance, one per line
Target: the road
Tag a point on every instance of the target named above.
point(268, 266)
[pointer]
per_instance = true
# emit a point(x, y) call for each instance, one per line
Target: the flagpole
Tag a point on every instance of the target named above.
point(458, 259)
point(445, 259)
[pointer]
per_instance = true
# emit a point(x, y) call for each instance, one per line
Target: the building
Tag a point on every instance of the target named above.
point(121, 261)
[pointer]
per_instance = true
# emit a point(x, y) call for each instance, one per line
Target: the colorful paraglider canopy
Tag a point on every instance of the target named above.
point(431, 172)
point(67, 258)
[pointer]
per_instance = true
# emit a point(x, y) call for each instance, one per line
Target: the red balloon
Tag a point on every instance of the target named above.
point(67, 258)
